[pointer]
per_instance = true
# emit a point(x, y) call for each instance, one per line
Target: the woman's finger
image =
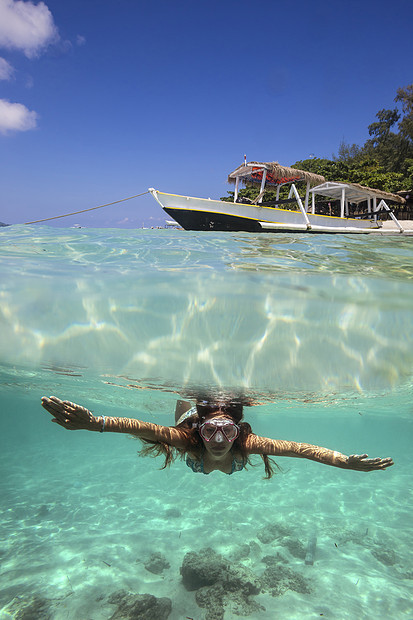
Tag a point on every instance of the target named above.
point(52, 408)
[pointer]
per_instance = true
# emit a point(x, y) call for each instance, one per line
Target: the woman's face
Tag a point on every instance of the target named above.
point(218, 445)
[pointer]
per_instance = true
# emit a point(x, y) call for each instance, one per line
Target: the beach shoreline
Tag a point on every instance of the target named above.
point(407, 225)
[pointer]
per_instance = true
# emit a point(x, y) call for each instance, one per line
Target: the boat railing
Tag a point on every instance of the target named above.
point(366, 216)
point(275, 203)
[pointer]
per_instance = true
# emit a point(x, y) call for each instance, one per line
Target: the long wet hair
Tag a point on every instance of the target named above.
point(193, 441)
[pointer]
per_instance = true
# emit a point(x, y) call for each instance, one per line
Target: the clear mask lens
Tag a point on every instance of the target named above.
point(208, 430)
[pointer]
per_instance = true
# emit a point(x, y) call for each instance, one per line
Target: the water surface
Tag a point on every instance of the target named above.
point(316, 329)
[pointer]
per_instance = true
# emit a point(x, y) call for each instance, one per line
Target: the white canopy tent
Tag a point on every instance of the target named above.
point(353, 192)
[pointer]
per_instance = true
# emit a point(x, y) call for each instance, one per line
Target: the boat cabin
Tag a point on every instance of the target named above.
point(374, 200)
point(272, 174)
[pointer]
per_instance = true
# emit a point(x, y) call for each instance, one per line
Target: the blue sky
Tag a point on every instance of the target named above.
point(102, 99)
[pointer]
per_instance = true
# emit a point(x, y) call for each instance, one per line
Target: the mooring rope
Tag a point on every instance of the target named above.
point(56, 217)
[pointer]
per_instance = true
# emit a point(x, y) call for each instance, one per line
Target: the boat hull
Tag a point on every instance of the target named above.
point(206, 214)
point(204, 220)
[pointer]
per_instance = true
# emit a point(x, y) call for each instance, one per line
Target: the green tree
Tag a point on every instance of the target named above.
point(405, 97)
point(385, 161)
point(381, 130)
point(348, 152)
point(364, 170)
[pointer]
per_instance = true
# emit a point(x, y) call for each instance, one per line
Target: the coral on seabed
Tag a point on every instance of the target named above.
point(295, 547)
point(221, 585)
point(143, 606)
point(156, 563)
point(385, 556)
point(173, 513)
point(270, 532)
point(203, 569)
point(27, 609)
point(278, 579)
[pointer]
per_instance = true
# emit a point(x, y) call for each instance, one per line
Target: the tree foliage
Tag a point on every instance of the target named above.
point(363, 170)
point(385, 161)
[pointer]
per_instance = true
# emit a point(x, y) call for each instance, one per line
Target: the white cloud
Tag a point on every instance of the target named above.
point(26, 26)
point(6, 70)
point(16, 117)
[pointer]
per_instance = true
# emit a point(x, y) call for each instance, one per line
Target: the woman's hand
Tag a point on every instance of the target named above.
point(360, 462)
point(71, 416)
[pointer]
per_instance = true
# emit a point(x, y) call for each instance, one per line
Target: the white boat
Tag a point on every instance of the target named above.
point(292, 214)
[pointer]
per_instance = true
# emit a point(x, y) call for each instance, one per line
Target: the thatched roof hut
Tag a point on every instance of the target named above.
point(251, 173)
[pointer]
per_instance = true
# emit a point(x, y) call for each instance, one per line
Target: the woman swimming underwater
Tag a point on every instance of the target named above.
point(211, 436)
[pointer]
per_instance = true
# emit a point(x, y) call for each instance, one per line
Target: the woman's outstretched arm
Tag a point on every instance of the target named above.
point(75, 417)
point(279, 447)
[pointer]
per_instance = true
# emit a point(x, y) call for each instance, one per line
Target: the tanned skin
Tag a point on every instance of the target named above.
point(218, 455)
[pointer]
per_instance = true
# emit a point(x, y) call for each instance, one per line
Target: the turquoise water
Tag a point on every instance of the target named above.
point(317, 330)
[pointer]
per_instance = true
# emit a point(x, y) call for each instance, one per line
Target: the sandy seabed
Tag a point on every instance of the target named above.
point(81, 517)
